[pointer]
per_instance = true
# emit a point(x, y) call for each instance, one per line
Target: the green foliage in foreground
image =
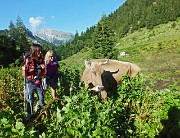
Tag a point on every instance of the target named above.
point(138, 111)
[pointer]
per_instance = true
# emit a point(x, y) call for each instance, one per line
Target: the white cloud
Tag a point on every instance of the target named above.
point(36, 22)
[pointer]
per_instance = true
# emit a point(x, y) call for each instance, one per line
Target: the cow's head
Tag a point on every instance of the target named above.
point(92, 75)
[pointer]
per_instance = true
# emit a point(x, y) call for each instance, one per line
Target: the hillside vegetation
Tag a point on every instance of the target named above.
point(156, 51)
point(133, 15)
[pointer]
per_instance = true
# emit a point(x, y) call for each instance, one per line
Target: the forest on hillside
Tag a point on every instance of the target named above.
point(131, 16)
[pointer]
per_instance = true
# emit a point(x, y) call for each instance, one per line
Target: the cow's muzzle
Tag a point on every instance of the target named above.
point(97, 88)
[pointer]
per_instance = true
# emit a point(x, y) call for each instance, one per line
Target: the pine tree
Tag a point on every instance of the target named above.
point(20, 24)
point(22, 42)
point(7, 45)
point(12, 30)
point(103, 41)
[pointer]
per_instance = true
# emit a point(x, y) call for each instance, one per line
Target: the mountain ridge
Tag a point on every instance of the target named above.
point(46, 36)
point(54, 36)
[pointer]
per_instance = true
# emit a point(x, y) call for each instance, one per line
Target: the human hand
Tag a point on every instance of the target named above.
point(23, 67)
point(42, 66)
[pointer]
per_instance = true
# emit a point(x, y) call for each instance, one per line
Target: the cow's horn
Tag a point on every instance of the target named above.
point(105, 62)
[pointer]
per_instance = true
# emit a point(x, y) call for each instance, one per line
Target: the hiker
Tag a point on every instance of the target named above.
point(33, 70)
point(52, 73)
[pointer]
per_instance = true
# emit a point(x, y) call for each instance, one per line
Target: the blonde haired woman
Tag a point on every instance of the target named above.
point(52, 73)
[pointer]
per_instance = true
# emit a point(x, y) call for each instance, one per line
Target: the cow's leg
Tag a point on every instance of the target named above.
point(104, 96)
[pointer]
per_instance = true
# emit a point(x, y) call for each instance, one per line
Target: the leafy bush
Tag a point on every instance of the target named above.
point(138, 111)
point(144, 109)
point(70, 80)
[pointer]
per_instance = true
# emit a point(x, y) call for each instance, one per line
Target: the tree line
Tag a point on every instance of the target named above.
point(133, 15)
point(100, 38)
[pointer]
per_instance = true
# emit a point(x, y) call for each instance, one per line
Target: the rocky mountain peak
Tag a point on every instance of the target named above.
point(54, 36)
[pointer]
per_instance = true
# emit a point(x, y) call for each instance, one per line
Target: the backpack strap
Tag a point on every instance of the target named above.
point(47, 68)
point(37, 68)
point(55, 67)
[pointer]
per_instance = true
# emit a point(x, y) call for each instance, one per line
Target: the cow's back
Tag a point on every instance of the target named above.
point(120, 68)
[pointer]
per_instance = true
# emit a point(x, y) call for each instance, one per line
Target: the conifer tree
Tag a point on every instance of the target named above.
point(7, 45)
point(103, 41)
point(12, 30)
point(22, 42)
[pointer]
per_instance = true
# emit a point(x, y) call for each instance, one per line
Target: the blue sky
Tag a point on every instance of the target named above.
point(62, 15)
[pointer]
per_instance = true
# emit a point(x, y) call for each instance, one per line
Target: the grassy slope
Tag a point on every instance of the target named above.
point(156, 51)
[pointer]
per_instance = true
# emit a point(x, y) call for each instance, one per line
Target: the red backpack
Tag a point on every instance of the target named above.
point(33, 68)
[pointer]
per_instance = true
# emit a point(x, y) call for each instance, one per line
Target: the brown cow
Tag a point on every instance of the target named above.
point(104, 75)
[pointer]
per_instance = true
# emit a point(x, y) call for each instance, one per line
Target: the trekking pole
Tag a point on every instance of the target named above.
point(24, 83)
point(24, 56)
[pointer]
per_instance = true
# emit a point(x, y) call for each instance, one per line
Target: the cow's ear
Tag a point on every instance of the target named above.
point(105, 62)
